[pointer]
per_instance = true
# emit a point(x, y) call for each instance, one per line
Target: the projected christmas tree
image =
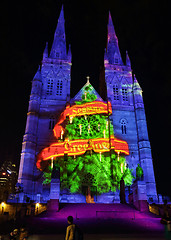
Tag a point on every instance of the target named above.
point(86, 150)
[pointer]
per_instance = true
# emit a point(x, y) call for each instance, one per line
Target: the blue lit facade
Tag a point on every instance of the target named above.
point(49, 95)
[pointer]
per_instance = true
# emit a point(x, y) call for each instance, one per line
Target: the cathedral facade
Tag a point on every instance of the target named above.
point(51, 91)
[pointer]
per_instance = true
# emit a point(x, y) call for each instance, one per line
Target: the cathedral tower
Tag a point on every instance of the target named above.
point(129, 119)
point(29, 144)
point(49, 94)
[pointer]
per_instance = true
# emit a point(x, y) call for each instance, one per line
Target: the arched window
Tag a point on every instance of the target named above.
point(57, 54)
point(49, 87)
point(123, 123)
point(116, 58)
point(59, 87)
point(51, 123)
point(115, 92)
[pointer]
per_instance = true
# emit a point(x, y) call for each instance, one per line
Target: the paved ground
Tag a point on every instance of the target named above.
point(92, 237)
point(96, 237)
point(100, 222)
point(45, 229)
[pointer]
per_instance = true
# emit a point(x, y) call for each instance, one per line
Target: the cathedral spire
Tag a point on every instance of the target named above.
point(136, 85)
point(45, 53)
point(58, 49)
point(128, 62)
point(69, 54)
point(38, 76)
point(112, 55)
point(111, 30)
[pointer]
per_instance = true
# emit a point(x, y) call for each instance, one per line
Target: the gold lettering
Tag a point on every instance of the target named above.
point(103, 144)
point(96, 146)
point(74, 148)
point(107, 145)
point(79, 147)
point(85, 146)
point(100, 146)
point(66, 145)
point(89, 109)
point(74, 111)
point(84, 110)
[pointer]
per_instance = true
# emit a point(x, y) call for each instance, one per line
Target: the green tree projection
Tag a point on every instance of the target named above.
point(88, 127)
point(139, 172)
point(94, 171)
point(100, 170)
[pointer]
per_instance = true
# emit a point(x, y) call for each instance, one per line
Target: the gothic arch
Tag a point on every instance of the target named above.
point(124, 91)
point(123, 125)
point(52, 120)
point(124, 82)
point(115, 89)
point(116, 58)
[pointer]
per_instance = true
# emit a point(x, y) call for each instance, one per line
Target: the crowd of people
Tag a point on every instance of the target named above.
point(17, 234)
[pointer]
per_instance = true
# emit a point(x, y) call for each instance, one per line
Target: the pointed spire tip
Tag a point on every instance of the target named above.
point(88, 80)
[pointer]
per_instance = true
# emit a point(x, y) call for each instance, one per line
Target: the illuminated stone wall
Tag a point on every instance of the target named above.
point(128, 116)
point(51, 91)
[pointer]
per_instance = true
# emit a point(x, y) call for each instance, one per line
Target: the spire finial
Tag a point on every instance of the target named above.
point(58, 49)
point(112, 45)
point(88, 78)
point(38, 75)
point(45, 53)
point(128, 62)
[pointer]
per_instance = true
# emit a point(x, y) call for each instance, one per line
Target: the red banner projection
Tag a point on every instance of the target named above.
point(80, 146)
point(90, 108)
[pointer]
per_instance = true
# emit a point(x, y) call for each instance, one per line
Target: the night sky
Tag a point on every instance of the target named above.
point(142, 27)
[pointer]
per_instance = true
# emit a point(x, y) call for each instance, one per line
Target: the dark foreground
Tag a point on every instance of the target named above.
point(97, 222)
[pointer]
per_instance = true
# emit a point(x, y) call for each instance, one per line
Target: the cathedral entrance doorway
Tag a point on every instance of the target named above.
point(88, 189)
point(90, 193)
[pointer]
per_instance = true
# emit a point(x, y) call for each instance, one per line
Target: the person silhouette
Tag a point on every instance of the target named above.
point(70, 229)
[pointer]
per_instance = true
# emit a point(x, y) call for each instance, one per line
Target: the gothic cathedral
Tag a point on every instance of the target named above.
point(50, 94)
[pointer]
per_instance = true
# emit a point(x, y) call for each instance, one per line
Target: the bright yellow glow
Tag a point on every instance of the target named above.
point(37, 205)
point(2, 204)
point(121, 167)
point(52, 162)
point(118, 155)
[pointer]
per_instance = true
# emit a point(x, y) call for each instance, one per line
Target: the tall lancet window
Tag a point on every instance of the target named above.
point(123, 123)
point(116, 58)
point(57, 54)
point(59, 87)
point(125, 94)
point(115, 92)
point(51, 122)
point(49, 87)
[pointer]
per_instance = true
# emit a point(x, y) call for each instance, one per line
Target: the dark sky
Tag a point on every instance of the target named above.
point(143, 28)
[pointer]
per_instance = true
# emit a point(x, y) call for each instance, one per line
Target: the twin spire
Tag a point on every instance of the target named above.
point(58, 50)
point(112, 53)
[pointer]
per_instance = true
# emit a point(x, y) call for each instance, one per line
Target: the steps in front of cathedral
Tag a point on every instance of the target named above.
point(97, 218)
point(98, 211)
